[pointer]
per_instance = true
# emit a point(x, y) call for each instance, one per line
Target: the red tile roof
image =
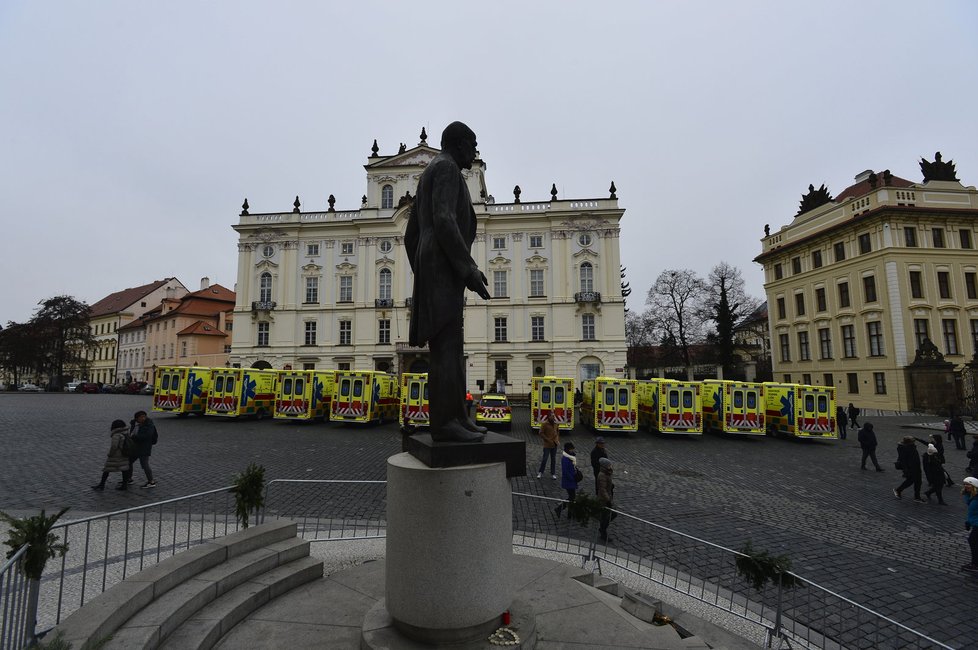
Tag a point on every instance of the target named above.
point(863, 187)
point(202, 328)
point(116, 302)
point(206, 302)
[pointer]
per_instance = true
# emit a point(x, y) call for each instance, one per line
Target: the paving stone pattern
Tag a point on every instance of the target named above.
point(841, 526)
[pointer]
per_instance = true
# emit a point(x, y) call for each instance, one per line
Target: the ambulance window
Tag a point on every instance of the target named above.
point(345, 388)
point(673, 398)
point(426, 392)
point(809, 403)
point(823, 404)
point(287, 387)
point(358, 388)
point(165, 382)
point(687, 399)
point(558, 394)
point(738, 400)
point(545, 394)
point(623, 397)
point(609, 396)
point(299, 385)
point(229, 387)
point(415, 390)
point(751, 399)
point(219, 384)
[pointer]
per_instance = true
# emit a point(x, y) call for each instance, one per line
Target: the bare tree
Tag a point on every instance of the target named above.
point(726, 303)
point(675, 304)
point(640, 329)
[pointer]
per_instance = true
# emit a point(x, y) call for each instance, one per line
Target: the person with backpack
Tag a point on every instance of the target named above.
point(118, 456)
point(853, 413)
point(868, 443)
point(144, 437)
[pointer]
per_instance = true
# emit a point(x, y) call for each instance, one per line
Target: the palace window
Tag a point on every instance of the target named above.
point(500, 329)
point(879, 380)
point(799, 304)
point(312, 290)
point(499, 284)
point(937, 234)
point(795, 265)
point(498, 243)
point(536, 328)
point(312, 249)
point(910, 237)
point(387, 197)
point(785, 347)
point(310, 333)
point(869, 288)
point(384, 331)
point(921, 331)
point(385, 281)
point(874, 332)
point(820, 299)
point(265, 287)
point(965, 238)
point(865, 246)
point(853, 380)
point(346, 288)
point(840, 251)
point(848, 342)
point(536, 241)
point(804, 354)
point(587, 327)
point(346, 332)
point(816, 259)
point(916, 286)
point(950, 328)
point(825, 343)
point(971, 286)
point(536, 283)
point(587, 277)
point(844, 294)
point(346, 248)
point(262, 340)
point(781, 309)
point(944, 284)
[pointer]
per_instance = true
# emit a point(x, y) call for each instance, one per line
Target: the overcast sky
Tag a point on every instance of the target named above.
point(130, 132)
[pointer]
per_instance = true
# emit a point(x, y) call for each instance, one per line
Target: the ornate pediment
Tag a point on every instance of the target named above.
point(266, 265)
point(417, 157)
point(265, 235)
point(585, 253)
point(499, 261)
point(311, 268)
point(384, 261)
point(346, 266)
point(536, 261)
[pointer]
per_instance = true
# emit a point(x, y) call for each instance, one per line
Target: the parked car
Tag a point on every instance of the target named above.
point(87, 387)
point(30, 388)
point(146, 390)
point(72, 386)
point(134, 387)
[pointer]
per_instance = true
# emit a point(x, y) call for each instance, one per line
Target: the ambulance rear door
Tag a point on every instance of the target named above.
point(168, 391)
point(814, 417)
point(745, 413)
point(223, 398)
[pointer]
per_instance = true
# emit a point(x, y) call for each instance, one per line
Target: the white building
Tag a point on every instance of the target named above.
point(332, 289)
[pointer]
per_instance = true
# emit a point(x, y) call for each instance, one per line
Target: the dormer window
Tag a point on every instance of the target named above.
point(387, 197)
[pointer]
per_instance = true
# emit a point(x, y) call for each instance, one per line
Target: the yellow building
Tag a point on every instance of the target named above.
point(856, 283)
point(114, 311)
point(331, 289)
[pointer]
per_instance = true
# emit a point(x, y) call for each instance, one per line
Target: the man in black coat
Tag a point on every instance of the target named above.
point(439, 236)
point(867, 441)
point(144, 438)
point(958, 432)
point(908, 460)
point(597, 454)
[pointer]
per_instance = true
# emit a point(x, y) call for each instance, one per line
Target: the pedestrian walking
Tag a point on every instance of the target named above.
point(970, 493)
point(934, 471)
point(868, 443)
point(144, 436)
point(958, 432)
point(597, 454)
point(117, 460)
point(934, 439)
point(947, 429)
point(853, 412)
point(841, 420)
point(606, 495)
point(550, 434)
point(570, 476)
point(908, 460)
point(468, 403)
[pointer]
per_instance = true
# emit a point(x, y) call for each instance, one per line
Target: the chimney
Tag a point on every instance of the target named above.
point(204, 283)
point(170, 293)
point(864, 175)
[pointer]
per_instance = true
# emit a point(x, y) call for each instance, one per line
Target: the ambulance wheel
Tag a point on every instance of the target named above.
point(260, 415)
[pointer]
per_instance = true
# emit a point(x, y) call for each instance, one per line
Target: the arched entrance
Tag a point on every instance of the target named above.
point(589, 368)
point(261, 364)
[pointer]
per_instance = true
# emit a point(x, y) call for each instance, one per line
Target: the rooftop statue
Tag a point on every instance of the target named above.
point(938, 170)
point(813, 199)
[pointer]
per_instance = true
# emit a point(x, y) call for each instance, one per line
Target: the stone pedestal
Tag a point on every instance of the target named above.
point(449, 549)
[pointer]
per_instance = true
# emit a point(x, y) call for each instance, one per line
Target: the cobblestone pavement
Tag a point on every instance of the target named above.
point(841, 526)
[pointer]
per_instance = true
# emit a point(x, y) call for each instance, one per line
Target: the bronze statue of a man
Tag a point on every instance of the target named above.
point(439, 236)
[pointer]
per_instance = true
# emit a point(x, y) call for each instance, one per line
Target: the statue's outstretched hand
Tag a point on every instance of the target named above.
point(477, 282)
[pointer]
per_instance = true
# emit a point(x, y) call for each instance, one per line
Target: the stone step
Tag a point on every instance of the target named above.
point(641, 606)
point(107, 612)
point(205, 628)
point(600, 582)
point(151, 626)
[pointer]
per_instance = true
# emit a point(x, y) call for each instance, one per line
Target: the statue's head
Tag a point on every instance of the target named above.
point(458, 141)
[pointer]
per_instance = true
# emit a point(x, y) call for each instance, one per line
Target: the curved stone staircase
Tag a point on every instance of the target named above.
point(192, 599)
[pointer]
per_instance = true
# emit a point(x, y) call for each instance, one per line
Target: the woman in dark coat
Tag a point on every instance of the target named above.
point(117, 460)
point(867, 440)
point(568, 474)
point(934, 471)
point(908, 460)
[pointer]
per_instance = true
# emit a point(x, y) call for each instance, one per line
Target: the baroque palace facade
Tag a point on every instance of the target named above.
point(332, 289)
point(856, 284)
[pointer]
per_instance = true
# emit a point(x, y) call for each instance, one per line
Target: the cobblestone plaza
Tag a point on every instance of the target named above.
point(841, 526)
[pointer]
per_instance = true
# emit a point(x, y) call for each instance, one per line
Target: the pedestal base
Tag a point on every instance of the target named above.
point(495, 448)
point(449, 549)
point(379, 631)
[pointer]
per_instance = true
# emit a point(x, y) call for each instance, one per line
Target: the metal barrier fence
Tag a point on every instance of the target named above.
point(105, 549)
point(14, 602)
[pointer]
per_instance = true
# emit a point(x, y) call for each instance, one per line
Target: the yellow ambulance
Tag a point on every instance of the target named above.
point(414, 399)
point(304, 394)
point(733, 407)
point(800, 410)
point(610, 404)
point(671, 406)
point(552, 396)
point(363, 396)
point(242, 391)
point(181, 389)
